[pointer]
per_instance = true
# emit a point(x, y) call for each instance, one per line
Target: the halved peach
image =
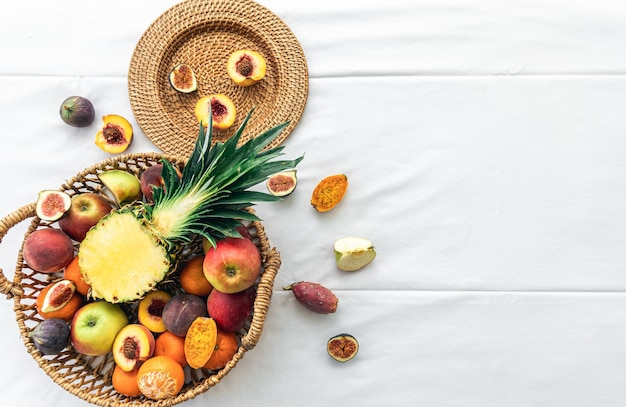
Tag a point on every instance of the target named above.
point(115, 135)
point(221, 106)
point(150, 310)
point(246, 67)
point(133, 345)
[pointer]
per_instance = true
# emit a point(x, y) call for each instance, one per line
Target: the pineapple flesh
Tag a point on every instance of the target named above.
point(132, 262)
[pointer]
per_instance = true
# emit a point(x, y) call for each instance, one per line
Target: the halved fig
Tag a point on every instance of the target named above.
point(183, 79)
point(52, 205)
point(246, 67)
point(282, 183)
point(220, 106)
point(115, 135)
point(57, 296)
point(342, 347)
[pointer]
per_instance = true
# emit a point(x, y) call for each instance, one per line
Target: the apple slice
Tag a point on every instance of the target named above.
point(353, 253)
point(124, 186)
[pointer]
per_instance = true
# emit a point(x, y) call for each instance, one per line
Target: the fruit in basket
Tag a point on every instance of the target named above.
point(133, 345)
point(246, 67)
point(180, 312)
point(150, 310)
point(124, 186)
point(51, 336)
point(77, 111)
point(72, 273)
point(282, 183)
point(115, 134)
point(183, 79)
point(342, 347)
point(353, 253)
point(192, 278)
point(217, 106)
point(200, 342)
point(125, 382)
point(48, 250)
point(210, 200)
point(314, 297)
point(160, 377)
point(51, 205)
point(242, 230)
point(171, 345)
point(232, 265)
point(86, 210)
point(230, 311)
point(151, 177)
point(226, 346)
point(58, 300)
point(95, 326)
point(329, 192)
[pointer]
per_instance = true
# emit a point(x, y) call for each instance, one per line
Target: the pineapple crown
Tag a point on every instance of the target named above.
point(213, 194)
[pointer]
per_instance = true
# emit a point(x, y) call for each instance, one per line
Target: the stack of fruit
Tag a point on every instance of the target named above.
point(157, 270)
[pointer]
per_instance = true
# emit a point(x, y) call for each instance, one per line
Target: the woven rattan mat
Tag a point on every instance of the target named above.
point(203, 33)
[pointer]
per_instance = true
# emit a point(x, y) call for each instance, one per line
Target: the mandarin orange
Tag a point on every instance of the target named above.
point(160, 377)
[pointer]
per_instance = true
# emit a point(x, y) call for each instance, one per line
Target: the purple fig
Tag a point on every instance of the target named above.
point(314, 297)
point(51, 336)
point(77, 111)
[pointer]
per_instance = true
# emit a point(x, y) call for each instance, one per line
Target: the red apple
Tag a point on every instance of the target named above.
point(95, 326)
point(86, 210)
point(230, 311)
point(152, 177)
point(232, 265)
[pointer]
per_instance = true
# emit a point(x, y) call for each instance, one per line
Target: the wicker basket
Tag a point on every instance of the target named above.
point(89, 378)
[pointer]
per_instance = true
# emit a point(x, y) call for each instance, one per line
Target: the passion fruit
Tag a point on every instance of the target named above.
point(282, 183)
point(183, 79)
point(342, 347)
point(77, 111)
point(51, 336)
point(52, 205)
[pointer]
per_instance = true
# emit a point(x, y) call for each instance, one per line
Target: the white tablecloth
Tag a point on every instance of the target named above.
point(485, 145)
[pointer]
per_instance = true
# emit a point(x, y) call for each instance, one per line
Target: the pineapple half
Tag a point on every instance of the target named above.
point(134, 248)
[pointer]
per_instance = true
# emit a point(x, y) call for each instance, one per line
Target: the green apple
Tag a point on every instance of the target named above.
point(95, 326)
point(123, 185)
point(353, 253)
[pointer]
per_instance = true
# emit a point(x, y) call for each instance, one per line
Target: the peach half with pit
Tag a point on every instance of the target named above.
point(220, 106)
point(115, 134)
point(133, 345)
point(246, 67)
point(150, 310)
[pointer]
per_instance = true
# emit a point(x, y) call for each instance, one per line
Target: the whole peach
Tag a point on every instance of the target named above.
point(48, 250)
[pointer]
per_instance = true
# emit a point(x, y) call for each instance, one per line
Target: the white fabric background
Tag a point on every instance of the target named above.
point(485, 146)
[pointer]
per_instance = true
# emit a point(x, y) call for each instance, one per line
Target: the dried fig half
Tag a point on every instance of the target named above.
point(183, 79)
point(282, 183)
point(52, 205)
point(342, 347)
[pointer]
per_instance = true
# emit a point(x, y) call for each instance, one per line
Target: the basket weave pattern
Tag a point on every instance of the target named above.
point(203, 34)
point(89, 378)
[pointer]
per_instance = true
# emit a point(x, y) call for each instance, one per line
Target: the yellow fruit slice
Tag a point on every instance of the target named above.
point(329, 192)
point(200, 341)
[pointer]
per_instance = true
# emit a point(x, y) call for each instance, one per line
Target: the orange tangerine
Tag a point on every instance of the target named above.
point(160, 377)
point(171, 345)
point(72, 273)
point(226, 347)
point(125, 382)
point(200, 341)
point(192, 278)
